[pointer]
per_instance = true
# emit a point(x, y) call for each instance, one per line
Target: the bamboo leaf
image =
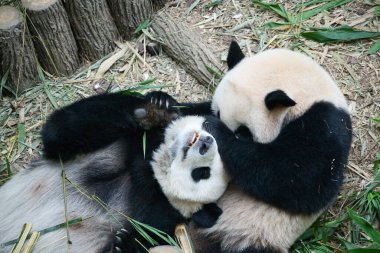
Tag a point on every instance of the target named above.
point(365, 226)
point(46, 230)
point(344, 33)
point(277, 8)
point(277, 25)
point(192, 6)
point(147, 81)
point(142, 26)
point(308, 14)
point(374, 48)
point(210, 4)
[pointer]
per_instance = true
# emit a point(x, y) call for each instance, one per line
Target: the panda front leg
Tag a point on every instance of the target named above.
point(162, 100)
point(89, 125)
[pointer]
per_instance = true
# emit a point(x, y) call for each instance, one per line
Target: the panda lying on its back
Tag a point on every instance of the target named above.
point(184, 158)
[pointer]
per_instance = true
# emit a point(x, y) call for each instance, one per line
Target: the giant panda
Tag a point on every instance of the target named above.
point(284, 138)
point(174, 178)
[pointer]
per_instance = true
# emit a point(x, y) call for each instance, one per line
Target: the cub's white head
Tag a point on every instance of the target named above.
point(188, 166)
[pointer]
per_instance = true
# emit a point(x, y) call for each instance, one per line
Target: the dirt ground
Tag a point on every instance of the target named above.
point(356, 73)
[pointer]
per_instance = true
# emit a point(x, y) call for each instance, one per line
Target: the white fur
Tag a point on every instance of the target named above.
point(240, 100)
point(174, 173)
point(240, 95)
point(246, 221)
point(35, 195)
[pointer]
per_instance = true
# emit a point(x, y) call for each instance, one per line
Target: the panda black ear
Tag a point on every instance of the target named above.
point(235, 55)
point(278, 98)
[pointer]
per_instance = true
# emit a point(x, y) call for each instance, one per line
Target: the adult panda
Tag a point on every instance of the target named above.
point(285, 142)
point(180, 173)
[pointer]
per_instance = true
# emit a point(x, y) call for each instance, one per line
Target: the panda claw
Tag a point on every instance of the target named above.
point(167, 104)
point(160, 103)
point(117, 250)
point(118, 239)
point(123, 230)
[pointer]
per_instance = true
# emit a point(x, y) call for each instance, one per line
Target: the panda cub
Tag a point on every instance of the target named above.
point(284, 137)
point(163, 182)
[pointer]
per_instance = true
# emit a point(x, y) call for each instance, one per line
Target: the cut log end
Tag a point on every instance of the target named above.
point(37, 5)
point(9, 17)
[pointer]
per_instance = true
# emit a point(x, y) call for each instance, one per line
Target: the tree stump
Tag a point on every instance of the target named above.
point(54, 41)
point(93, 27)
point(185, 46)
point(128, 15)
point(16, 54)
point(158, 4)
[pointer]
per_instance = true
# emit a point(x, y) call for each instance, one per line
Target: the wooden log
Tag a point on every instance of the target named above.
point(53, 39)
point(128, 15)
point(16, 54)
point(93, 27)
point(158, 4)
point(185, 46)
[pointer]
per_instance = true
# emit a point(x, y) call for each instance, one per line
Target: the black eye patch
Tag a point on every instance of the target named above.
point(242, 132)
point(200, 173)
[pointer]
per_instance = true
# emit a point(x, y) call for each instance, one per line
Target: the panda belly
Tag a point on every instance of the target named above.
point(35, 196)
point(247, 223)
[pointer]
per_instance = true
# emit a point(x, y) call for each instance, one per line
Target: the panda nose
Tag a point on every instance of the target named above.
point(206, 143)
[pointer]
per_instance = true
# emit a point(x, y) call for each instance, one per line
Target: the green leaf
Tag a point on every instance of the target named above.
point(277, 8)
point(374, 48)
point(277, 25)
point(365, 226)
point(192, 6)
point(308, 14)
point(344, 33)
point(142, 26)
point(376, 165)
point(210, 4)
point(147, 81)
point(378, 118)
point(46, 230)
point(377, 11)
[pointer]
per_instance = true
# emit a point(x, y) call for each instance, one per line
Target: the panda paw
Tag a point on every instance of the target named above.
point(158, 110)
point(162, 100)
point(123, 242)
point(207, 216)
point(217, 128)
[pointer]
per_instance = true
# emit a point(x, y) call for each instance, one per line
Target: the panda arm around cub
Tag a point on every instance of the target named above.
point(301, 170)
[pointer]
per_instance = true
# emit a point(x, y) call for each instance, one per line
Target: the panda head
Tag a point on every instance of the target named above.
point(260, 94)
point(188, 167)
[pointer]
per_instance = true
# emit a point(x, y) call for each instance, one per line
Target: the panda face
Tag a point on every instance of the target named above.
point(264, 92)
point(188, 166)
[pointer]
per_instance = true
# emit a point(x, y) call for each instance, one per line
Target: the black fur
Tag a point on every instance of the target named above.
point(278, 98)
point(300, 171)
point(96, 122)
point(88, 125)
point(207, 216)
point(235, 55)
